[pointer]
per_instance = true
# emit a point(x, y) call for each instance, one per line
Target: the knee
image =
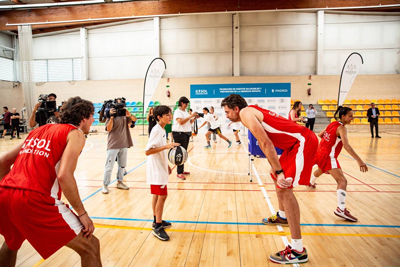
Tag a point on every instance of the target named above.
point(93, 246)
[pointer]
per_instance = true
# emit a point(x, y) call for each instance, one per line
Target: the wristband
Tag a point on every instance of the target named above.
point(278, 172)
point(82, 214)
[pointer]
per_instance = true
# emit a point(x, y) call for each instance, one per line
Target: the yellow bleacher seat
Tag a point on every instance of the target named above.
point(388, 101)
point(292, 102)
point(359, 107)
point(374, 101)
point(381, 121)
point(357, 121)
point(333, 120)
point(388, 121)
point(325, 107)
point(353, 107)
point(364, 113)
point(364, 121)
point(327, 102)
point(329, 114)
point(381, 107)
point(332, 107)
point(388, 107)
point(367, 102)
point(388, 114)
point(353, 102)
point(334, 102)
point(365, 107)
point(360, 102)
point(381, 101)
point(358, 114)
point(303, 114)
point(320, 102)
point(396, 121)
point(347, 102)
point(395, 114)
point(395, 107)
point(302, 107)
point(395, 101)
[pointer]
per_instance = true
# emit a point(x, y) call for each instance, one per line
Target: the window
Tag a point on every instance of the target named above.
point(6, 69)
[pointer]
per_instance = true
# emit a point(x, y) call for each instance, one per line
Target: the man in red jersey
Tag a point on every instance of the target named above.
point(30, 193)
point(293, 168)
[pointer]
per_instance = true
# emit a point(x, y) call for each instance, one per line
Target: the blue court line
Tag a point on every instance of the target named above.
point(242, 223)
point(398, 176)
point(113, 181)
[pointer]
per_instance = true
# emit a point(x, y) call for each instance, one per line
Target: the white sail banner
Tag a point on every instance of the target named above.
point(351, 68)
point(153, 76)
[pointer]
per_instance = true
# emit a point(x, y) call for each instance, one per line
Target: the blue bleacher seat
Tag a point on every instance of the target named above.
point(135, 109)
point(151, 103)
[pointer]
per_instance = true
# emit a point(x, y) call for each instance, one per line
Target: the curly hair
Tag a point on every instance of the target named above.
point(75, 110)
point(234, 100)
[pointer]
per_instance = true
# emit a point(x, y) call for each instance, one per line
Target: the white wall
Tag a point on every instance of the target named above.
point(271, 43)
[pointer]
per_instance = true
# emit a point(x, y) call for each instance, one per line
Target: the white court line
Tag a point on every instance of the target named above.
point(87, 149)
point(271, 208)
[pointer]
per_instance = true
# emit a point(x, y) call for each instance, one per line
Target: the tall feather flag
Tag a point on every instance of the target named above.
point(350, 70)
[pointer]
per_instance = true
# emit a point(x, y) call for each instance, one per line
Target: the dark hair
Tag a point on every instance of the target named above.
point(75, 110)
point(233, 101)
point(342, 112)
point(190, 109)
point(372, 103)
point(310, 105)
point(6, 108)
point(296, 105)
point(206, 109)
point(161, 111)
point(183, 99)
point(52, 94)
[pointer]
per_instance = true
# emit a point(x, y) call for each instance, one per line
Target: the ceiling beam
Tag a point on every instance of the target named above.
point(154, 8)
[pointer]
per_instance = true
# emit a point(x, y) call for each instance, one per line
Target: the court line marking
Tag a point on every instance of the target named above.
point(247, 223)
point(398, 176)
point(361, 181)
point(86, 150)
point(282, 234)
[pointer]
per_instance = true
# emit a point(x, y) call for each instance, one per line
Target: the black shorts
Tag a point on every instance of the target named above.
point(7, 126)
point(216, 130)
point(236, 130)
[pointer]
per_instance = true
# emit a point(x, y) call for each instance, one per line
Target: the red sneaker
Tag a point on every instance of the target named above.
point(187, 173)
point(181, 176)
point(345, 214)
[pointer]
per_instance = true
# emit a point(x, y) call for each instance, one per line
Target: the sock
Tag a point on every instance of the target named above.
point(158, 225)
point(282, 214)
point(208, 143)
point(297, 244)
point(341, 198)
point(227, 140)
point(154, 219)
point(313, 178)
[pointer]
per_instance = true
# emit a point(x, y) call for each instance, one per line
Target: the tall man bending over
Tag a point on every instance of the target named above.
point(30, 194)
point(293, 168)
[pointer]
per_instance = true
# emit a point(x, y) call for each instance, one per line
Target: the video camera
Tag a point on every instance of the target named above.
point(200, 115)
point(46, 105)
point(118, 104)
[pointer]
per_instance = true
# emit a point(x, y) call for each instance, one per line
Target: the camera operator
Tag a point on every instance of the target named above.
point(44, 110)
point(311, 112)
point(118, 122)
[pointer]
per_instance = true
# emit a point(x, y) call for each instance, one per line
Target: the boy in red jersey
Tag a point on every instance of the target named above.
point(30, 193)
point(299, 145)
point(333, 138)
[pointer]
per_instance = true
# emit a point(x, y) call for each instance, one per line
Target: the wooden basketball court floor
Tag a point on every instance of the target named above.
point(216, 212)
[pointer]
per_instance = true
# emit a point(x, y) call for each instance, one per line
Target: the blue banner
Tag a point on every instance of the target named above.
point(246, 90)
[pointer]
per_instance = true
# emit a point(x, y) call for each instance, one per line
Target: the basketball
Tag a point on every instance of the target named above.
point(177, 155)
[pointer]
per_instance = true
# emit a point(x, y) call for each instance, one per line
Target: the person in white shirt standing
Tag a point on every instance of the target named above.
point(158, 169)
point(214, 128)
point(311, 112)
point(182, 130)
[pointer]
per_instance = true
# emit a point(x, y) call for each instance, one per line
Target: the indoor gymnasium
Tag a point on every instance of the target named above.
point(199, 133)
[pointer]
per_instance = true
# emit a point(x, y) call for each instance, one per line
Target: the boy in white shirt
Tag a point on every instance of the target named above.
point(158, 169)
point(214, 128)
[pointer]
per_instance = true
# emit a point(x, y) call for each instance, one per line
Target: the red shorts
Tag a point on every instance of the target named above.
point(48, 224)
point(326, 162)
point(297, 162)
point(159, 190)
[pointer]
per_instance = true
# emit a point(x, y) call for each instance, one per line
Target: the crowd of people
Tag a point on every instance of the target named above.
point(49, 154)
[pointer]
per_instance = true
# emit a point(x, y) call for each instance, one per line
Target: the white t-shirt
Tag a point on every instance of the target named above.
point(210, 118)
point(177, 127)
point(157, 164)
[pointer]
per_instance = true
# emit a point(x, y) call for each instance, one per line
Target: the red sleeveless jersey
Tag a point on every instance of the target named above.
point(37, 163)
point(282, 132)
point(330, 143)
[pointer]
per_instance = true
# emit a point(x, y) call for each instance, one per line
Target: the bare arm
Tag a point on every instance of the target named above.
point(293, 116)
point(343, 135)
point(8, 159)
point(321, 133)
point(75, 143)
point(32, 119)
point(148, 116)
point(161, 148)
point(204, 123)
point(183, 121)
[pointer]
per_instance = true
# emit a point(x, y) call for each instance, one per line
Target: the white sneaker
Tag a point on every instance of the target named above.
point(105, 190)
point(122, 186)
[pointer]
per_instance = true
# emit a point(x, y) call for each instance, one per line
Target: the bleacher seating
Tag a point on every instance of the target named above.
point(396, 121)
point(388, 121)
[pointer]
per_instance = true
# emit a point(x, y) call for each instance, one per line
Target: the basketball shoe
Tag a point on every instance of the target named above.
point(345, 214)
point(289, 256)
point(164, 224)
point(207, 146)
point(160, 233)
point(275, 219)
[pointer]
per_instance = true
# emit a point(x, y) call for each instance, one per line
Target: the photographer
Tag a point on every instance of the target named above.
point(117, 123)
point(311, 112)
point(44, 110)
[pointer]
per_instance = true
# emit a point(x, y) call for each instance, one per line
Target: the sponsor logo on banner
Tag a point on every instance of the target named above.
point(250, 100)
point(271, 107)
point(282, 100)
point(351, 69)
point(197, 101)
point(201, 92)
point(281, 107)
point(280, 90)
point(218, 101)
point(260, 101)
point(208, 101)
point(282, 114)
point(271, 100)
